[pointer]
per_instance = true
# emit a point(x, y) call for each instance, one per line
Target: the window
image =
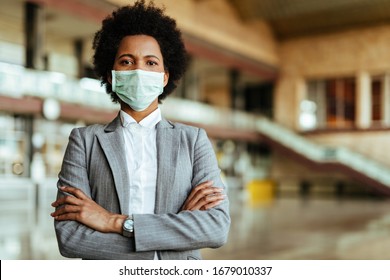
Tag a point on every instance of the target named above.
point(340, 102)
point(335, 102)
point(376, 98)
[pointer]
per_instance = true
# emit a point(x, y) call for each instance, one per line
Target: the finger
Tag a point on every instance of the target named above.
point(67, 209)
point(73, 191)
point(205, 201)
point(66, 200)
point(211, 205)
point(67, 217)
point(209, 199)
point(195, 199)
point(195, 190)
point(200, 187)
point(203, 194)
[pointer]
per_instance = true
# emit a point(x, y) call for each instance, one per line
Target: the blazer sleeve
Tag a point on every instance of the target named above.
point(188, 230)
point(76, 240)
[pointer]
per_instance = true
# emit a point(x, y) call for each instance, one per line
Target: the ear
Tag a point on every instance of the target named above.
point(109, 78)
point(166, 78)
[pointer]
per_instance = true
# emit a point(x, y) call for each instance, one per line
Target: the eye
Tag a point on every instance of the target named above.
point(126, 62)
point(151, 63)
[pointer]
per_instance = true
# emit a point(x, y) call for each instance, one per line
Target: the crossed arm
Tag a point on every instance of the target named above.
point(85, 229)
point(81, 208)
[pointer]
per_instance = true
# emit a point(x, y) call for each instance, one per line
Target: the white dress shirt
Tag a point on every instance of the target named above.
point(141, 158)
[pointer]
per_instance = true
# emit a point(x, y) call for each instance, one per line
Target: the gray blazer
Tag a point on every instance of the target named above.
point(94, 161)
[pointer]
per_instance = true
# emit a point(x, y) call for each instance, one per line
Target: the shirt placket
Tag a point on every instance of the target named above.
point(136, 197)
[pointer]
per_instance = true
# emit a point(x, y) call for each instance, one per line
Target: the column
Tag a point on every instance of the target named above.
point(238, 100)
point(301, 95)
point(363, 101)
point(386, 100)
point(34, 34)
point(35, 59)
point(78, 46)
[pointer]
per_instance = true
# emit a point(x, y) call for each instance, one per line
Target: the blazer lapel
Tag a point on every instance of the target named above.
point(168, 145)
point(112, 143)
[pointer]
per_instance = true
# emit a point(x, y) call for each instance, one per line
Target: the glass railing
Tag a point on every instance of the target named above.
point(17, 81)
point(319, 153)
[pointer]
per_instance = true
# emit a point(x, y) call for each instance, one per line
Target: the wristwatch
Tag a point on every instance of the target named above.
point(128, 227)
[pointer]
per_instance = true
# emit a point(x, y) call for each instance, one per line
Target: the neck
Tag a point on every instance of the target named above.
point(139, 115)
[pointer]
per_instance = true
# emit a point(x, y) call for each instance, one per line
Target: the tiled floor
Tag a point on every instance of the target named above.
point(315, 228)
point(285, 228)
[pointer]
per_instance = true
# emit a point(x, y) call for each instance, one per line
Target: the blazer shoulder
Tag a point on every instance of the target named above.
point(187, 129)
point(93, 129)
point(90, 130)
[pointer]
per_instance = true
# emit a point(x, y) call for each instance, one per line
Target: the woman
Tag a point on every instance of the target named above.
point(140, 187)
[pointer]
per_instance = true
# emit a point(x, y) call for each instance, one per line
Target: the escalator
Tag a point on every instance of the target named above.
point(355, 165)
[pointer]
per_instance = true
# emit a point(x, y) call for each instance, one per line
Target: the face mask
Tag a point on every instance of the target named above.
point(137, 88)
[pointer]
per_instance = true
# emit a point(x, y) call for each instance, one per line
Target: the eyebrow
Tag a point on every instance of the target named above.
point(132, 56)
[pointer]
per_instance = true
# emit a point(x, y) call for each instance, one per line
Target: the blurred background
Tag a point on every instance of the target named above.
point(294, 95)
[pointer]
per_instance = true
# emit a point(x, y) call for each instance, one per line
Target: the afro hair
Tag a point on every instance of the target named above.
point(140, 19)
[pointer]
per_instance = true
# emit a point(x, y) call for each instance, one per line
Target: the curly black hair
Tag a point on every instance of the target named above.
point(140, 19)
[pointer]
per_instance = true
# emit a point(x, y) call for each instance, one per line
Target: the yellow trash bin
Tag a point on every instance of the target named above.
point(261, 191)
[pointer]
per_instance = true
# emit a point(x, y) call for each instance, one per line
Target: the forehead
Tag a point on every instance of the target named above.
point(139, 45)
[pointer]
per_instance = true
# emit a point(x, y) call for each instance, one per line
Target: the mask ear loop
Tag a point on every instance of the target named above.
point(113, 80)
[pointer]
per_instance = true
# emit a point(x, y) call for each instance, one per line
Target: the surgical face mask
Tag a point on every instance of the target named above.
point(137, 88)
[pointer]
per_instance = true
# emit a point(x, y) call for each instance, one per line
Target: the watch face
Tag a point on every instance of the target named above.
point(128, 225)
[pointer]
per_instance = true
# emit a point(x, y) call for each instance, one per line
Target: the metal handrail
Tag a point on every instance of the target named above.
point(324, 154)
point(196, 112)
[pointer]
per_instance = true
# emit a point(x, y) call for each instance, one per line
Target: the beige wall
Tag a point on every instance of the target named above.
point(358, 53)
point(346, 53)
point(372, 144)
point(217, 22)
point(289, 173)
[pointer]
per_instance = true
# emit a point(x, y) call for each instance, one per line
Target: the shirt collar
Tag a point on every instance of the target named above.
point(149, 121)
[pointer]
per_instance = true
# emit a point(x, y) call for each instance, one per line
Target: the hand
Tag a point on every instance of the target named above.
point(203, 197)
point(79, 207)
